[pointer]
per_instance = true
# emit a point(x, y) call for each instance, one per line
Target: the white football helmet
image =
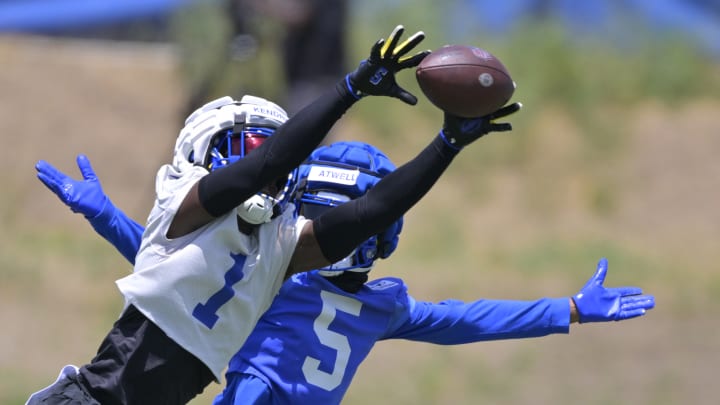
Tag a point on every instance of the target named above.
point(224, 131)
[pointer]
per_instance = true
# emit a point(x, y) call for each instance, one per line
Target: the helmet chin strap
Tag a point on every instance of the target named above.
point(336, 268)
point(257, 209)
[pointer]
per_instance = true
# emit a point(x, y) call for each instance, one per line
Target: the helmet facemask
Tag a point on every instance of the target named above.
point(234, 144)
point(225, 131)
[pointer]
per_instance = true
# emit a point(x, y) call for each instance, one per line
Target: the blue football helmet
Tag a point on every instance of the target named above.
point(224, 131)
point(335, 174)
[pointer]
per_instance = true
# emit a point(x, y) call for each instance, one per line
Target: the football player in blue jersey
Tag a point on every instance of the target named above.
point(308, 345)
point(220, 238)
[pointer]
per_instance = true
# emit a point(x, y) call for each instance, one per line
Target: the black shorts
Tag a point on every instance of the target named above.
point(138, 363)
point(67, 390)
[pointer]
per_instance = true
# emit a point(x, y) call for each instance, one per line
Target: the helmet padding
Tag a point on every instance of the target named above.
point(348, 168)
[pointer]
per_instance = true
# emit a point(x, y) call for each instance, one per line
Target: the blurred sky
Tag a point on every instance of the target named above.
point(59, 16)
point(699, 20)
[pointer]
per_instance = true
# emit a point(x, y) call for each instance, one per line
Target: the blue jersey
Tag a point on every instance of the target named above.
point(309, 344)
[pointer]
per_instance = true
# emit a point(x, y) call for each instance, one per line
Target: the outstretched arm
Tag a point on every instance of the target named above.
point(455, 322)
point(333, 235)
point(221, 191)
point(86, 197)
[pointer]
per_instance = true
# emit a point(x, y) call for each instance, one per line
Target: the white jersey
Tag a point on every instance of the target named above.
point(206, 290)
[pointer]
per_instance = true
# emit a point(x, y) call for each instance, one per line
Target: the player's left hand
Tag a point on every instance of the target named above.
point(461, 132)
point(82, 196)
point(376, 75)
point(595, 303)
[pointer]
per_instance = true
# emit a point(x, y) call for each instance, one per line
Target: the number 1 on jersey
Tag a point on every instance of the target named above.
point(207, 312)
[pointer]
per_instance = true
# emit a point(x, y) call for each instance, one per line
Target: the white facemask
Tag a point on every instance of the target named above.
point(257, 209)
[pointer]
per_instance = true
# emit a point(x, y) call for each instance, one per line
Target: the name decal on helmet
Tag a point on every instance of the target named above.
point(333, 175)
point(270, 112)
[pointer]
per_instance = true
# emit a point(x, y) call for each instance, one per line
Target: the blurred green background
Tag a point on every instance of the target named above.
point(614, 154)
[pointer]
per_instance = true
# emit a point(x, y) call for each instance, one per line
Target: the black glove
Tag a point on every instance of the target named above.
point(376, 75)
point(460, 132)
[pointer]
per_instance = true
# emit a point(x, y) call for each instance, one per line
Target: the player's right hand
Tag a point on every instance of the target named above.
point(82, 196)
point(460, 132)
point(376, 75)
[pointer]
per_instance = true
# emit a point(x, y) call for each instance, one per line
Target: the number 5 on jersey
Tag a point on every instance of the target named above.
point(311, 367)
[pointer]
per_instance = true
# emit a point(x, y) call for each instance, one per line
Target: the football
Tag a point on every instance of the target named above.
point(465, 81)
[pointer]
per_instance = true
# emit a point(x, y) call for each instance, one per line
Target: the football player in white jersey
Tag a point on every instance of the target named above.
point(220, 239)
point(324, 323)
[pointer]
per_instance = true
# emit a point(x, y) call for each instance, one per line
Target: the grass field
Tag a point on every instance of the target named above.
point(518, 216)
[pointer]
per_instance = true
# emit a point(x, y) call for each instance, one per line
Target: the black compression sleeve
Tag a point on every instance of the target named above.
point(342, 229)
point(222, 190)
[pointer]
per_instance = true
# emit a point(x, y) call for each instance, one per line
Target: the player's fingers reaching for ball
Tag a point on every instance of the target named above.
point(505, 111)
point(409, 44)
point(501, 113)
point(460, 132)
point(413, 60)
point(392, 52)
point(389, 48)
point(375, 52)
point(376, 75)
point(501, 127)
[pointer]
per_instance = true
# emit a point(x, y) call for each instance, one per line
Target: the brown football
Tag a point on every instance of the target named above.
point(465, 81)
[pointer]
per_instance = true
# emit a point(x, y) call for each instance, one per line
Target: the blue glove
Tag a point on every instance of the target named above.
point(82, 196)
point(376, 75)
point(460, 132)
point(596, 303)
